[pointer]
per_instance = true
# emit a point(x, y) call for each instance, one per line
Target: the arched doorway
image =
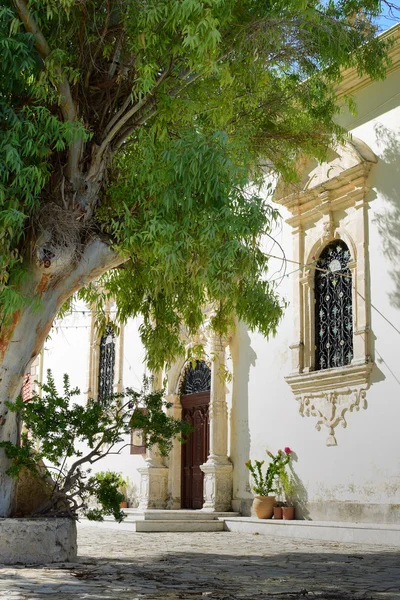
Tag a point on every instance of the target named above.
point(195, 400)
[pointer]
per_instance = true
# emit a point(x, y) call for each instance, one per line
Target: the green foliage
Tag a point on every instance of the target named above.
point(266, 484)
point(73, 436)
point(151, 123)
point(288, 485)
point(105, 488)
point(29, 134)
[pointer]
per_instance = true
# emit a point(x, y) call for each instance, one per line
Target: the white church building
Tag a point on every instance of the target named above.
point(327, 385)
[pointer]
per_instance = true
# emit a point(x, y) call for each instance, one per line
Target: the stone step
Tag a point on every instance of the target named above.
point(133, 514)
point(170, 526)
point(327, 531)
point(157, 526)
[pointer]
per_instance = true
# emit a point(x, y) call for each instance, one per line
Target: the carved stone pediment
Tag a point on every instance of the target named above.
point(334, 184)
point(329, 394)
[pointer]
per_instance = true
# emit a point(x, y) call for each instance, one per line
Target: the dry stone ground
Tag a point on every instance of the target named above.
point(121, 565)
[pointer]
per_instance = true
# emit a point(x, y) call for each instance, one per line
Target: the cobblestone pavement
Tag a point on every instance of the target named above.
point(121, 565)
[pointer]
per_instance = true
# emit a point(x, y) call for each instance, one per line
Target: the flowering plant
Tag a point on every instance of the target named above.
point(264, 485)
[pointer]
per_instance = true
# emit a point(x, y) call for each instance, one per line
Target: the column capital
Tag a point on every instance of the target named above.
point(217, 343)
point(174, 399)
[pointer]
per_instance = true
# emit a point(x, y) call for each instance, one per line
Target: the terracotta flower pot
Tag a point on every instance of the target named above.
point(277, 512)
point(263, 506)
point(288, 513)
point(123, 504)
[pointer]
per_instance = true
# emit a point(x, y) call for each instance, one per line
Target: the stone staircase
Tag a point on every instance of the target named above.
point(151, 521)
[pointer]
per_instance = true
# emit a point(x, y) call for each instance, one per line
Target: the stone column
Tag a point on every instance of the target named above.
point(218, 468)
point(175, 468)
point(154, 475)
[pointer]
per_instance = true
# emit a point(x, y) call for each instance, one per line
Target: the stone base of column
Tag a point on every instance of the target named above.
point(153, 487)
point(173, 504)
point(217, 486)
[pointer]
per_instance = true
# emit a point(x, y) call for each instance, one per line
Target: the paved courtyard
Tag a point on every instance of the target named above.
point(120, 565)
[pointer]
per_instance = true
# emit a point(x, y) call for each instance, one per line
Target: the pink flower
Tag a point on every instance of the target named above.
point(287, 450)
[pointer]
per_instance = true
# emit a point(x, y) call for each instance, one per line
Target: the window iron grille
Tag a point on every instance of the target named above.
point(106, 364)
point(333, 308)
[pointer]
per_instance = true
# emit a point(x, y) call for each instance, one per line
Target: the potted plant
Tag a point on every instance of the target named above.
point(109, 478)
point(122, 488)
point(288, 485)
point(265, 485)
point(278, 510)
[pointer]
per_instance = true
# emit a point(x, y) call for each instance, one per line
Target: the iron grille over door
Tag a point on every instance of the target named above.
point(197, 379)
point(333, 308)
point(106, 364)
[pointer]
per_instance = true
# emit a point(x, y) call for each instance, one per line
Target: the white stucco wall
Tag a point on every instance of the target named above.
point(364, 467)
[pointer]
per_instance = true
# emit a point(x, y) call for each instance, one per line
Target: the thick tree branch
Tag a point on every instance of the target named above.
point(94, 169)
point(125, 133)
point(67, 106)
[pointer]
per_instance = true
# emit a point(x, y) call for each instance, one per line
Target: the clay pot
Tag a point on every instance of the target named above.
point(123, 504)
point(277, 512)
point(288, 513)
point(263, 506)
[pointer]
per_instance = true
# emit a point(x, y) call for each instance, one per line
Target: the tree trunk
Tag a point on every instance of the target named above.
point(22, 340)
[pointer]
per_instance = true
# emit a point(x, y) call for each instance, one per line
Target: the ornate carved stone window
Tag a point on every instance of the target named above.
point(333, 307)
point(106, 365)
point(331, 352)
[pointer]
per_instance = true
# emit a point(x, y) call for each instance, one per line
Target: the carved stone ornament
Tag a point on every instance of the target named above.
point(153, 487)
point(330, 408)
point(217, 486)
point(330, 203)
point(328, 395)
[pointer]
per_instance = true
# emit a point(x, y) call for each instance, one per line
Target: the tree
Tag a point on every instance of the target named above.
point(133, 142)
point(72, 437)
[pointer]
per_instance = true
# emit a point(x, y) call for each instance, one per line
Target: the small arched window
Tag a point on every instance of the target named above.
point(333, 308)
point(197, 378)
point(106, 364)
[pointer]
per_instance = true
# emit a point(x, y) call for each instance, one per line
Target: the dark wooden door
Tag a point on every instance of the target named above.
point(195, 451)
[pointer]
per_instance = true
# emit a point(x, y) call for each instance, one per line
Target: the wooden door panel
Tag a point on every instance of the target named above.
point(195, 450)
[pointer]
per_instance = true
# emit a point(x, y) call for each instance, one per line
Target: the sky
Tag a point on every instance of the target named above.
point(389, 16)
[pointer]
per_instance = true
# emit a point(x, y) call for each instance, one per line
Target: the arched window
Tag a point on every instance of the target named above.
point(106, 364)
point(333, 308)
point(197, 379)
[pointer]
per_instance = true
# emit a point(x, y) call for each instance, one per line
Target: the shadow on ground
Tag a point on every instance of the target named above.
point(173, 567)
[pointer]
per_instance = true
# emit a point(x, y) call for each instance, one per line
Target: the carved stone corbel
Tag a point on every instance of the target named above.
point(330, 408)
point(329, 394)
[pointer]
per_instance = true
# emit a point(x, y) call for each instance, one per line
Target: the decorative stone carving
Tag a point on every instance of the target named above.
point(330, 394)
point(218, 468)
point(174, 471)
point(154, 476)
point(330, 202)
point(330, 408)
point(153, 487)
point(217, 486)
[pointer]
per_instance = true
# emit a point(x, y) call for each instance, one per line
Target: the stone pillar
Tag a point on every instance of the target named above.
point(218, 468)
point(174, 471)
point(154, 475)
